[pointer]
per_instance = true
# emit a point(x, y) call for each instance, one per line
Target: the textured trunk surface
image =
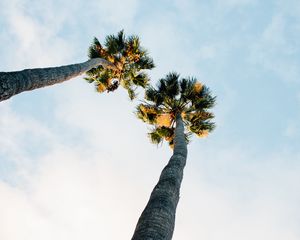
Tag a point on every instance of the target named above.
point(12, 83)
point(158, 218)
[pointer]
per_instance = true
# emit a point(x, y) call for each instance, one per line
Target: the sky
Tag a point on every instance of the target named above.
point(76, 164)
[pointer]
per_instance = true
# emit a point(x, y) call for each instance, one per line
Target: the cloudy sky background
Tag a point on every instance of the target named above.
point(75, 164)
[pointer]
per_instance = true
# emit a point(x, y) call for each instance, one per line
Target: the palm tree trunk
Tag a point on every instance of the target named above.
point(158, 218)
point(12, 83)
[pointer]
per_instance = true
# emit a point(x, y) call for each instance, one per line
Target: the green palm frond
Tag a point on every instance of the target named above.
point(202, 129)
point(94, 50)
point(131, 61)
point(197, 116)
point(140, 79)
point(121, 41)
point(172, 85)
point(161, 86)
point(145, 62)
point(183, 85)
point(204, 99)
point(115, 44)
point(131, 93)
point(89, 80)
point(94, 72)
point(158, 134)
point(155, 138)
point(187, 90)
point(173, 96)
point(165, 132)
point(154, 96)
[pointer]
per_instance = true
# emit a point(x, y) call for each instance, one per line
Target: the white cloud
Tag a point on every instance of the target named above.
point(117, 12)
point(73, 191)
point(237, 3)
point(276, 50)
point(291, 130)
point(18, 136)
point(68, 198)
point(231, 197)
point(97, 168)
point(76, 194)
point(207, 52)
point(33, 41)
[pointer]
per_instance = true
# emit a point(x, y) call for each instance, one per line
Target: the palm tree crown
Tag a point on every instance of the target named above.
point(129, 58)
point(171, 97)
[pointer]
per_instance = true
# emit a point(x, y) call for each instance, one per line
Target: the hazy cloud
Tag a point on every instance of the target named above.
point(76, 165)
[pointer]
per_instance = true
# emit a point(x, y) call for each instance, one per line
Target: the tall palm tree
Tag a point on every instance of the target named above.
point(176, 109)
point(121, 58)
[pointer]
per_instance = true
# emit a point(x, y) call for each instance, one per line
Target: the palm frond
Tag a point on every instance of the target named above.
point(164, 120)
point(154, 96)
point(166, 132)
point(147, 113)
point(89, 79)
point(104, 78)
point(133, 44)
point(183, 85)
point(206, 102)
point(145, 62)
point(100, 87)
point(94, 50)
point(172, 85)
point(94, 71)
point(202, 128)
point(198, 116)
point(155, 138)
point(131, 93)
point(187, 88)
point(111, 44)
point(140, 79)
point(121, 40)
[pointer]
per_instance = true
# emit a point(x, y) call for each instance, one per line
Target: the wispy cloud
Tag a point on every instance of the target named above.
point(86, 166)
point(277, 49)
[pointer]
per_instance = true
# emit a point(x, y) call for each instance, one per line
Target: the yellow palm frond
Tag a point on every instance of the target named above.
point(164, 120)
point(111, 59)
point(148, 110)
point(203, 133)
point(198, 87)
point(101, 88)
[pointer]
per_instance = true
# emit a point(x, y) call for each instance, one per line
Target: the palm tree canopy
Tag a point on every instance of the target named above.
point(173, 96)
point(129, 58)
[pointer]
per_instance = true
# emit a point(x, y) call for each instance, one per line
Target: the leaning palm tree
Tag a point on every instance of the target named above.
point(120, 59)
point(176, 109)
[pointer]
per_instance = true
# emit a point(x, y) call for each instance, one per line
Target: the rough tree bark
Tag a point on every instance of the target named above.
point(12, 83)
point(158, 218)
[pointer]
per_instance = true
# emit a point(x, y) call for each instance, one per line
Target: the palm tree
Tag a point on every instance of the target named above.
point(130, 61)
point(121, 59)
point(176, 109)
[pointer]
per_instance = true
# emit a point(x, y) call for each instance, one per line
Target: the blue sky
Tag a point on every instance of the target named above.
point(75, 164)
